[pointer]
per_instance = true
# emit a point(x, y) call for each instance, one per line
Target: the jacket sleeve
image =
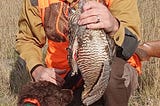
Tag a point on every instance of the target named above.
point(31, 36)
point(128, 35)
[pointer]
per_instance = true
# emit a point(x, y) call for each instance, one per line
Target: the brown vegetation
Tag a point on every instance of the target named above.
point(148, 93)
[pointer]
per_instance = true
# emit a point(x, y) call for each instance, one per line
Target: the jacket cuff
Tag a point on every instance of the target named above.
point(119, 35)
point(128, 46)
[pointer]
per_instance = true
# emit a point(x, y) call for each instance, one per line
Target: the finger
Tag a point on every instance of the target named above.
point(57, 80)
point(53, 80)
point(89, 20)
point(59, 71)
point(89, 13)
point(95, 25)
point(56, 75)
point(90, 4)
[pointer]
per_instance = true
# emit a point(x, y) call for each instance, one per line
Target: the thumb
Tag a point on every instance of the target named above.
point(59, 71)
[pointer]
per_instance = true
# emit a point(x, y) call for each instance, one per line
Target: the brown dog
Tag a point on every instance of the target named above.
point(44, 93)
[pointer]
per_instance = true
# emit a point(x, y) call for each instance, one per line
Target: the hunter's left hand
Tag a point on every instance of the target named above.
point(96, 16)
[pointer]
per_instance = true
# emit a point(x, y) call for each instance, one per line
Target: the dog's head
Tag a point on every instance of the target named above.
point(44, 93)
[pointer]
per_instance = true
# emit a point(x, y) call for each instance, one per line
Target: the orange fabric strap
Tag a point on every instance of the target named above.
point(33, 101)
point(57, 21)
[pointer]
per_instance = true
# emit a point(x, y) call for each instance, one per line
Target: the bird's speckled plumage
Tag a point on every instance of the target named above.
point(93, 50)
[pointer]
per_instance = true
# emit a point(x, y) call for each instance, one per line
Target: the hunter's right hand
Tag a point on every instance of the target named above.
point(48, 74)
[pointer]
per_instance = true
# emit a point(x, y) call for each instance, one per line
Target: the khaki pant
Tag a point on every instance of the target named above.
point(123, 81)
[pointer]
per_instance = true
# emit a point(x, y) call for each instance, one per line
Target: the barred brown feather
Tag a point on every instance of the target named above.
point(94, 51)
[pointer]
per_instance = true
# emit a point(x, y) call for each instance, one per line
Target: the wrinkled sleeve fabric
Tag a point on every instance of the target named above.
point(128, 35)
point(31, 36)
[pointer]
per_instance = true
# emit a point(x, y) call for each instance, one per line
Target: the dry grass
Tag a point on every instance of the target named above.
point(149, 91)
point(9, 10)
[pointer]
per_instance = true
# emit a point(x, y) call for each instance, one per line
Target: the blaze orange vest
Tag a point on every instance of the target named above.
point(136, 63)
point(56, 56)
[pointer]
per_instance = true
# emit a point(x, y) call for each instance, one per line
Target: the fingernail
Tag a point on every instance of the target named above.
point(79, 22)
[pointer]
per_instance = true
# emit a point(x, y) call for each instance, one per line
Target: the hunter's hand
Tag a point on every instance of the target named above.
point(96, 16)
point(48, 74)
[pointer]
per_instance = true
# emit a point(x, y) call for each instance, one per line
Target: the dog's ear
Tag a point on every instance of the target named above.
point(67, 95)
